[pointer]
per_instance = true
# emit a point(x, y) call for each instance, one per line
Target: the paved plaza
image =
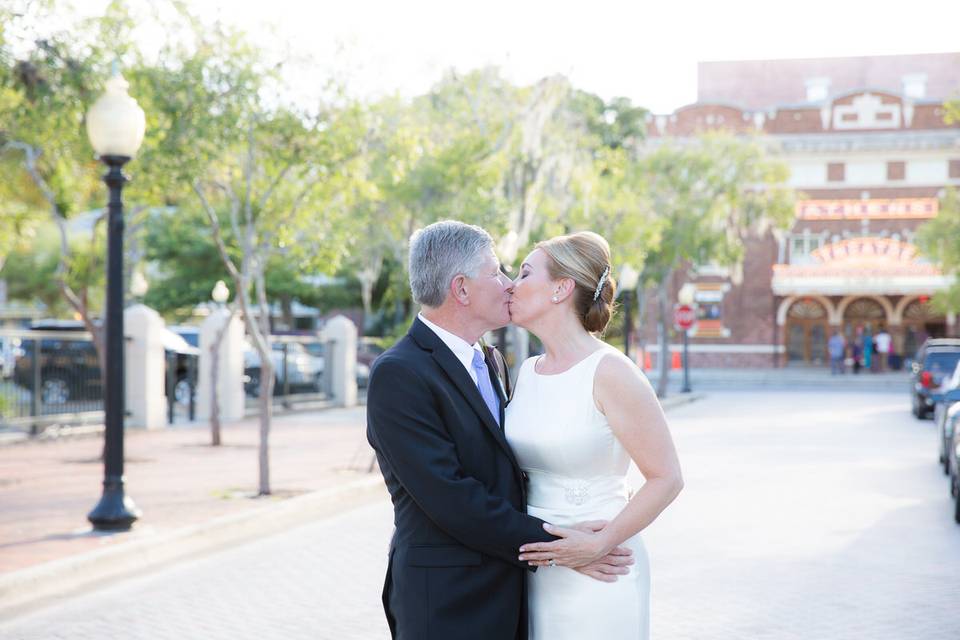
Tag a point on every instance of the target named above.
point(815, 515)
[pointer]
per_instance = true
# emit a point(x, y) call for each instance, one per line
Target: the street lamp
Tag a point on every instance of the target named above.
point(220, 292)
point(627, 284)
point(138, 284)
point(686, 296)
point(115, 126)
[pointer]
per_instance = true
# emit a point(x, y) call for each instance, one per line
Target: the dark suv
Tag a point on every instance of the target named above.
point(69, 371)
point(936, 358)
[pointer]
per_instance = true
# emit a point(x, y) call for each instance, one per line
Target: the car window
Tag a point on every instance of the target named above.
point(941, 361)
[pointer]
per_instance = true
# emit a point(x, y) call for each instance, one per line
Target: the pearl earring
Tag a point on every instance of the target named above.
point(555, 299)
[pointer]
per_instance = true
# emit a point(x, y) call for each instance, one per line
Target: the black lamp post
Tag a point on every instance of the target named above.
point(686, 296)
point(115, 125)
point(627, 284)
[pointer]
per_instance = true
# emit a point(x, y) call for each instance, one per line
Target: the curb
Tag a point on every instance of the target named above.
point(674, 401)
point(30, 588)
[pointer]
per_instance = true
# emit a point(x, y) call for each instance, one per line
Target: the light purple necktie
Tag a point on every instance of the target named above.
point(485, 386)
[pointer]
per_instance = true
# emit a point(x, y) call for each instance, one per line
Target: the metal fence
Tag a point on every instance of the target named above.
point(48, 377)
point(301, 370)
point(53, 378)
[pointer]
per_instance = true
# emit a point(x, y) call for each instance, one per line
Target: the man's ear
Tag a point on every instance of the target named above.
point(458, 290)
point(564, 289)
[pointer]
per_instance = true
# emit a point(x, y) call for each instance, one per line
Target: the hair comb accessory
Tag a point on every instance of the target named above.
point(603, 280)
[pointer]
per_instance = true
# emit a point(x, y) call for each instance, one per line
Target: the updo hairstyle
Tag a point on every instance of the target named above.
point(583, 257)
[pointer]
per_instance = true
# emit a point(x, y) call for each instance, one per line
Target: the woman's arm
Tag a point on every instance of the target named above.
point(635, 416)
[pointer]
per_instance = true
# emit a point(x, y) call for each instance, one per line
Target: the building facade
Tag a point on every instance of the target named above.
point(870, 155)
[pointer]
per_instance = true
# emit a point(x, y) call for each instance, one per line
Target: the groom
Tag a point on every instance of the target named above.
point(435, 415)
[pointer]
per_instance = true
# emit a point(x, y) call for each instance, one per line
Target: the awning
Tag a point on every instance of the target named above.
point(867, 266)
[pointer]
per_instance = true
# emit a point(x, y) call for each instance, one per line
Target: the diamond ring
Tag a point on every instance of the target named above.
point(552, 562)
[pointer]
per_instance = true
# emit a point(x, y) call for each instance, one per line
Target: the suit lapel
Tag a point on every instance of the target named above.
point(463, 382)
point(493, 365)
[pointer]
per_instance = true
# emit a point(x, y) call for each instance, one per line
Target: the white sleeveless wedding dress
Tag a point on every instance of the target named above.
point(577, 470)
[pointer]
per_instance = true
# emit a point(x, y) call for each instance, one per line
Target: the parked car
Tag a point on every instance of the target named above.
point(69, 370)
point(947, 395)
point(305, 371)
point(365, 356)
point(953, 458)
point(936, 358)
point(368, 350)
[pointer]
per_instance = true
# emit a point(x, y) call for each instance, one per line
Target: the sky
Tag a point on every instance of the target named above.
point(645, 51)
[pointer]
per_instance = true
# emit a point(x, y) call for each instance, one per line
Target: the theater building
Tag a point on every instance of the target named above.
point(869, 155)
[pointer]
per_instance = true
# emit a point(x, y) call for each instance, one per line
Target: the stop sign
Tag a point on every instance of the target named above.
point(684, 316)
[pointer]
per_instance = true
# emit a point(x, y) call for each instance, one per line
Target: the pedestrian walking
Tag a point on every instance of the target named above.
point(857, 349)
point(883, 342)
point(867, 348)
point(837, 347)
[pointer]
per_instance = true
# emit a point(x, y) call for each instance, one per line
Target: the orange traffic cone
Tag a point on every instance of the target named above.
point(675, 360)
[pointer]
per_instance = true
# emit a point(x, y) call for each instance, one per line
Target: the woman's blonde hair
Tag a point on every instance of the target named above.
point(584, 257)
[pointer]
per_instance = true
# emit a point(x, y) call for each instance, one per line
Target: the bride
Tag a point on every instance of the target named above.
point(580, 413)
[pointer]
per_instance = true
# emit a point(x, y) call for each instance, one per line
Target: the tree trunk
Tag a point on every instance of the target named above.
point(663, 333)
point(214, 395)
point(266, 380)
point(266, 411)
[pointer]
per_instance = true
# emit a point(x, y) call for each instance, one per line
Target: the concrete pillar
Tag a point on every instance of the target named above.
point(230, 382)
point(340, 362)
point(951, 324)
point(145, 368)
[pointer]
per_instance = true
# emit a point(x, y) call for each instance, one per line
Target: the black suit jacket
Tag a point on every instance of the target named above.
point(458, 497)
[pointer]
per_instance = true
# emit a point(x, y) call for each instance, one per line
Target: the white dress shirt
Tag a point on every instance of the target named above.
point(460, 347)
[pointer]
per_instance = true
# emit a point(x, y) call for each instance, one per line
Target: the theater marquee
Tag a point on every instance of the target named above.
point(880, 208)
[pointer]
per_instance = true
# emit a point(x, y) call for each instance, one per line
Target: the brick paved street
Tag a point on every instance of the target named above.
point(805, 515)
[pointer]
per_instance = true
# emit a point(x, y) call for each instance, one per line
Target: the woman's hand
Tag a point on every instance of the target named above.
point(575, 548)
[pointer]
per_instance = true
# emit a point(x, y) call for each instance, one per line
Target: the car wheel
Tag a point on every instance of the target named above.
point(54, 391)
point(915, 407)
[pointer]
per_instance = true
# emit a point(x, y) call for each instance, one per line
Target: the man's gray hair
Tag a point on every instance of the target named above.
point(441, 251)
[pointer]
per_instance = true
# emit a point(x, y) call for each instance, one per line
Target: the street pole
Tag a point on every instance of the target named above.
point(686, 361)
point(627, 323)
point(115, 511)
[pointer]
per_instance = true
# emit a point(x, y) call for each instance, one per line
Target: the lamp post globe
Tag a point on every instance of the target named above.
point(115, 123)
point(139, 284)
point(220, 293)
point(115, 126)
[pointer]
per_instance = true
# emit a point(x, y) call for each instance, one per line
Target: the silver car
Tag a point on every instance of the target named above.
point(946, 397)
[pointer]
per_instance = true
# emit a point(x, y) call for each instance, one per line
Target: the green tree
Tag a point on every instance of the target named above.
point(45, 95)
point(940, 240)
point(706, 199)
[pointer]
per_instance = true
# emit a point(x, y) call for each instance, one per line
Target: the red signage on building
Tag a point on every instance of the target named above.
point(885, 208)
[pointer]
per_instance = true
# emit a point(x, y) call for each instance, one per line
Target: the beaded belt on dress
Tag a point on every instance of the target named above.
point(552, 491)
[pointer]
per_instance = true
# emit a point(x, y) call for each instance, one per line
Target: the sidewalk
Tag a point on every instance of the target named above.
point(192, 495)
point(195, 498)
point(807, 378)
